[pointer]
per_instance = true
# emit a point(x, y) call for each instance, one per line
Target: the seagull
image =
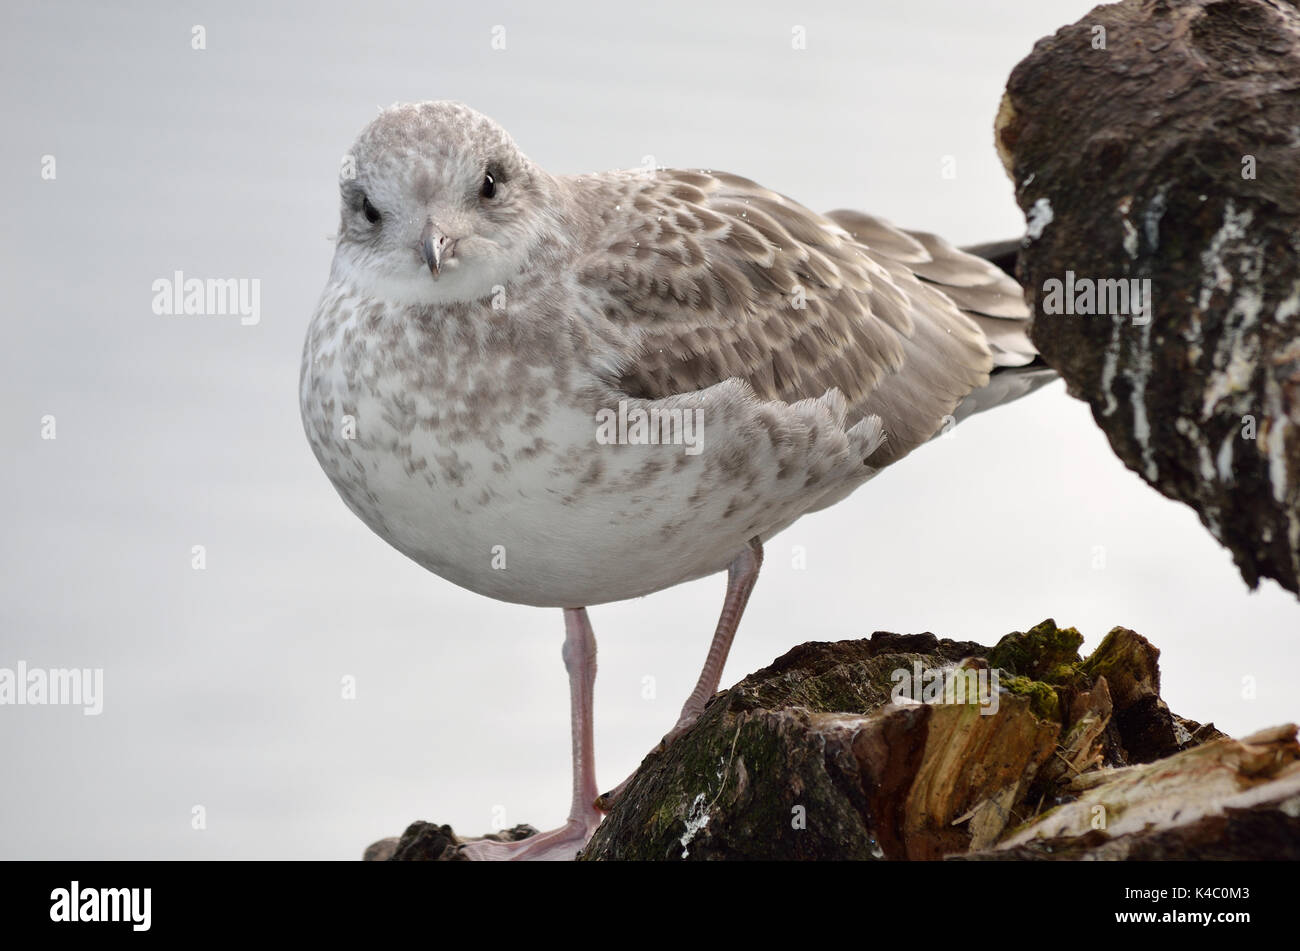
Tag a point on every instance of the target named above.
point(563, 391)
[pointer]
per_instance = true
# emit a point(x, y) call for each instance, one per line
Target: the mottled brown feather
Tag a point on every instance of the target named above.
point(711, 282)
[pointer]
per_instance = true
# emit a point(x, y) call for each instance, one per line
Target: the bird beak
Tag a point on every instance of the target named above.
point(436, 248)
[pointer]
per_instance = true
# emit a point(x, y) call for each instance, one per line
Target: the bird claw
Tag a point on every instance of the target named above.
point(607, 801)
point(558, 845)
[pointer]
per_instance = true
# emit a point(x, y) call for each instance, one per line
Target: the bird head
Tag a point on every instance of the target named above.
point(438, 205)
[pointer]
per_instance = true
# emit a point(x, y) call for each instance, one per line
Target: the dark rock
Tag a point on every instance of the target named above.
point(426, 842)
point(429, 842)
point(381, 851)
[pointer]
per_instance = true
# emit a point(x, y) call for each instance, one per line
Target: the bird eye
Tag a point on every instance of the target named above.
point(489, 188)
point(370, 211)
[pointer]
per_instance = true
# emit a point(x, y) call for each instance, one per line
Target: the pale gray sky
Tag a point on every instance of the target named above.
point(222, 686)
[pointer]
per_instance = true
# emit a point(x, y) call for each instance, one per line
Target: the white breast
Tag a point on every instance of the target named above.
point(518, 499)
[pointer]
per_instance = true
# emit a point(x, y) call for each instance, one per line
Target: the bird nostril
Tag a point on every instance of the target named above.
point(435, 248)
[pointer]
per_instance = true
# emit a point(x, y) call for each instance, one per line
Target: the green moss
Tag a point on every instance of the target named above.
point(1065, 675)
point(1042, 697)
point(851, 687)
point(1044, 652)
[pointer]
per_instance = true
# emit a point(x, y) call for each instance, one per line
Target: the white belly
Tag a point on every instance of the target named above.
point(512, 499)
point(487, 473)
point(535, 533)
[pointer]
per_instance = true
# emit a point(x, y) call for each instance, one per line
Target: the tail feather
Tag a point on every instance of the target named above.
point(984, 292)
point(1009, 381)
point(981, 281)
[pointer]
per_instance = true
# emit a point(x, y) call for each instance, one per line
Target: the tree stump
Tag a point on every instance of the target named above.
point(909, 747)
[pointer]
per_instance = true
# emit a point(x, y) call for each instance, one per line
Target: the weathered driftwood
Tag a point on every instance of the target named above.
point(851, 750)
point(1226, 799)
point(1157, 140)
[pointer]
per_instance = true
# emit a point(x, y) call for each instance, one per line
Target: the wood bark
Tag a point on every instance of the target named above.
point(1158, 142)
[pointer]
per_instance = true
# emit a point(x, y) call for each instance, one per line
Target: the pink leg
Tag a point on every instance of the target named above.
point(564, 843)
point(742, 574)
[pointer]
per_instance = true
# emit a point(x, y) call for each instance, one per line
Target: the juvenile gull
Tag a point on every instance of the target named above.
point(483, 317)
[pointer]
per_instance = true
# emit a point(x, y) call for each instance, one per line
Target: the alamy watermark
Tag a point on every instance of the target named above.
point(77, 903)
point(57, 686)
point(212, 297)
point(657, 426)
point(977, 685)
point(1130, 297)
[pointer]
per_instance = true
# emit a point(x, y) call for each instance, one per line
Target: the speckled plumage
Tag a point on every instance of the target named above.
point(819, 348)
point(485, 323)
